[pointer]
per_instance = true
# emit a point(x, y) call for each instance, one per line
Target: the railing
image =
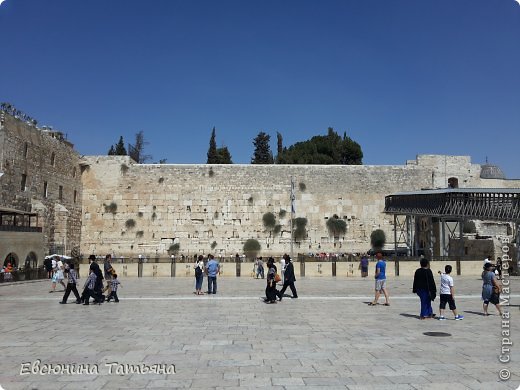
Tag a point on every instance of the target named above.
point(25, 229)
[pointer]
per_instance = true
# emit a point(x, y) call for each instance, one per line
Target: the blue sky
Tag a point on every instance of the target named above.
point(401, 77)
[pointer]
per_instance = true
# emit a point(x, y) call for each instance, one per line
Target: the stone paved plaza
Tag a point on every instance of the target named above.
point(328, 338)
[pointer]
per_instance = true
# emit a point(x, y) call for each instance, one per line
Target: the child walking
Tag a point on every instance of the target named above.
point(71, 286)
point(447, 294)
point(113, 286)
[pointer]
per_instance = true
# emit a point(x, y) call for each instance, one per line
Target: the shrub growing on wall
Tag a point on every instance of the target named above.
point(282, 213)
point(269, 221)
point(336, 226)
point(377, 239)
point(251, 248)
point(139, 234)
point(174, 249)
point(130, 223)
point(300, 231)
point(111, 208)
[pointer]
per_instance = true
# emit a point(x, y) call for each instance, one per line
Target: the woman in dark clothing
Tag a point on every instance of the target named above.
point(98, 287)
point(424, 287)
point(270, 290)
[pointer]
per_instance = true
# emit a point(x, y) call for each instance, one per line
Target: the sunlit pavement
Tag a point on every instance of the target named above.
point(329, 338)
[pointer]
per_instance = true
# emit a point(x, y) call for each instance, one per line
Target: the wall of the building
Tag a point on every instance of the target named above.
point(21, 245)
point(27, 150)
point(223, 205)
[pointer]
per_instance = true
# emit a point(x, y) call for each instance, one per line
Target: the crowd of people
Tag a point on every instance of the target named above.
point(59, 270)
point(424, 285)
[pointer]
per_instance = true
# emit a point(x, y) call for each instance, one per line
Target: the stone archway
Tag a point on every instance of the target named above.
point(31, 261)
point(13, 259)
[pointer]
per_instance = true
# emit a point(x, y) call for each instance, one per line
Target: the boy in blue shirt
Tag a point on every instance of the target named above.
point(380, 280)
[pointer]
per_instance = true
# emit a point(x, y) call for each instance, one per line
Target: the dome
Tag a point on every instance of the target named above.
point(490, 171)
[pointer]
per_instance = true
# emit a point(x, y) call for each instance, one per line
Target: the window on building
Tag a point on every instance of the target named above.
point(60, 193)
point(45, 189)
point(24, 182)
point(25, 150)
point(53, 158)
point(453, 182)
point(75, 196)
point(74, 172)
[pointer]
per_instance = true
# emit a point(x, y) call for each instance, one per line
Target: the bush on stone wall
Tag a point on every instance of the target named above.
point(174, 249)
point(111, 208)
point(139, 234)
point(300, 231)
point(130, 223)
point(336, 226)
point(377, 239)
point(269, 221)
point(251, 248)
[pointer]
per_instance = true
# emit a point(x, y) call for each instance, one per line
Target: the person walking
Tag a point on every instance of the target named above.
point(108, 271)
point(260, 268)
point(88, 288)
point(213, 269)
point(270, 289)
point(289, 278)
point(199, 275)
point(424, 286)
point(447, 294)
point(71, 285)
point(114, 283)
point(380, 278)
point(490, 289)
point(363, 266)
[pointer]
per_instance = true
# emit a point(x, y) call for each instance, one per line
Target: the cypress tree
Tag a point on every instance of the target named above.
point(262, 154)
point(120, 149)
point(212, 151)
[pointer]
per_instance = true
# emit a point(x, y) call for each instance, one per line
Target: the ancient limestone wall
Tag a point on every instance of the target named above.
point(42, 157)
point(216, 208)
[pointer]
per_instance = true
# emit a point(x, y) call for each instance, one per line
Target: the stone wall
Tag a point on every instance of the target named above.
point(216, 208)
point(42, 156)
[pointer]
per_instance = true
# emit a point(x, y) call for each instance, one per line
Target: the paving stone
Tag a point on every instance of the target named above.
point(328, 338)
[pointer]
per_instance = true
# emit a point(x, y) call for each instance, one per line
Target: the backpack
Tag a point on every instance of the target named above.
point(198, 272)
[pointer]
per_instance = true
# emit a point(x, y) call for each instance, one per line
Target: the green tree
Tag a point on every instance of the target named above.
point(328, 149)
point(120, 149)
point(112, 151)
point(262, 153)
point(213, 157)
point(279, 147)
point(377, 239)
point(223, 156)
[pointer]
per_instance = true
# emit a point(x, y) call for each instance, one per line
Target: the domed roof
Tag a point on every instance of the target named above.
point(490, 171)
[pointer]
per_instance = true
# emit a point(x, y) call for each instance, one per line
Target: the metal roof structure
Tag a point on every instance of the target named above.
point(490, 204)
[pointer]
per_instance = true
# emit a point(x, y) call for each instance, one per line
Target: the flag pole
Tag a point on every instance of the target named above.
point(292, 215)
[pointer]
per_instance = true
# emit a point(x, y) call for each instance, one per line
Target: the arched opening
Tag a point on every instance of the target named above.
point(453, 182)
point(11, 258)
point(31, 261)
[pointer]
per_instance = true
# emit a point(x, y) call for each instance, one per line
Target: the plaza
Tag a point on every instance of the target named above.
point(327, 338)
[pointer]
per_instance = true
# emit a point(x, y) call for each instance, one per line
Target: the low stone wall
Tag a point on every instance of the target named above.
point(313, 269)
